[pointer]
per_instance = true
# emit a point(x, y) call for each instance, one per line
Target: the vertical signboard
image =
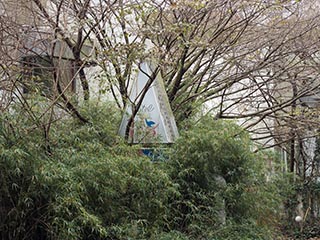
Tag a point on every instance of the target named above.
point(154, 122)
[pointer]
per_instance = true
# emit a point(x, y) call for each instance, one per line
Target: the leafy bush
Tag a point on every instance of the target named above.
point(214, 150)
point(89, 185)
point(81, 181)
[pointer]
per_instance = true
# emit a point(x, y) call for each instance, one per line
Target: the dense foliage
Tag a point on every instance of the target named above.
point(220, 177)
point(89, 185)
point(84, 182)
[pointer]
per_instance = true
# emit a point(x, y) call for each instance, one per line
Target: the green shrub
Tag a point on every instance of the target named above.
point(62, 179)
point(207, 152)
point(90, 185)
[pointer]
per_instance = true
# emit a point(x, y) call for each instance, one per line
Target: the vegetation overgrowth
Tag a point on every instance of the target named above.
point(85, 182)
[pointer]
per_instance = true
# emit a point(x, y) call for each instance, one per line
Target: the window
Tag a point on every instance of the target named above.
point(41, 75)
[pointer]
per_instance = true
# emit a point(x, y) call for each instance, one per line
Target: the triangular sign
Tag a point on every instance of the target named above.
point(154, 122)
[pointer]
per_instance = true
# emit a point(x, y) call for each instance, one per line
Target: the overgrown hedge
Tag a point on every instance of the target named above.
point(84, 182)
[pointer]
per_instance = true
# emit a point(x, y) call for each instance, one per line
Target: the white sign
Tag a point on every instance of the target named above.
point(154, 122)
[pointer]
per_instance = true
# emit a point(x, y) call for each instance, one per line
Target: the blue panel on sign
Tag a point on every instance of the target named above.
point(156, 155)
